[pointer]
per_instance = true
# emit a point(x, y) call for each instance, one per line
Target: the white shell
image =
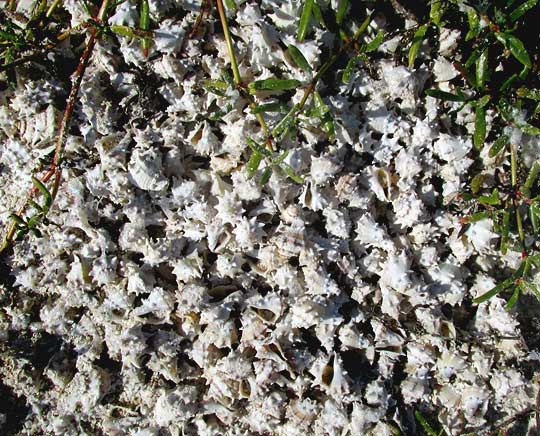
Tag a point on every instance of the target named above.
point(145, 170)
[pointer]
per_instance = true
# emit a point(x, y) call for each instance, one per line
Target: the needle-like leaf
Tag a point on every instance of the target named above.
point(505, 284)
point(273, 85)
point(517, 13)
point(416, 43)
point(298, 58)
point(304, 20)
point(498, 145)
point(482, 69)
point(479, 135)
point(342, 11)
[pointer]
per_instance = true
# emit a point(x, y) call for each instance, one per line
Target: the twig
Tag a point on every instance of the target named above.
point(510, 420)
point(55, 168)
point(206, 4)
point(12, 5)
point(40, 51)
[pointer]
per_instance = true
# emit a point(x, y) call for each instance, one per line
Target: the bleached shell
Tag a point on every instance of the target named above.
point(350, 337)
point(332, 420)
point(376, 394)
point(337, 222)
point(157, 307)
point(245, 188)
point(263, 44)
point(322, 169)
point(474, 404)
point(407, 167)
point(408, 209)
point(248, 233)
point(145, 170)
point(449, 364)
point(229, 208)
point(306, 312)
point(41, 129)
point(371, 233)
point(268, 307)
point(188, 268)
point(125, 14)
point(319, 282)
point(450, 148)
point(511, 388)
point(346, 185)
point(302, 411)
point(363, 417)
point(493, 316)
point(219, 237)
point(399, 84)
point(444, 70)
point(386, 338)
point(103, 270)
point(289, 241)
point(390, 302)
point(330, 376)
point(396, 272)
point(480, 234)
point(313, 198)
point(175, 405)
point(380, 183)
point(448, 280)
point(217, 322)
point(168, 38)
point(86, 389)
point(204, 141)
point(448, 41)
point(414, 388)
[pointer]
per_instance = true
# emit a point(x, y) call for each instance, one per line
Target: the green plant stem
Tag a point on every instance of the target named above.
point(514, 176)
point(51, 9)
point(236, 73)
point(513, 162)
point(55, 170)
point(43, 50)
point(198, 21)
point(324, 68)
point(228, 39)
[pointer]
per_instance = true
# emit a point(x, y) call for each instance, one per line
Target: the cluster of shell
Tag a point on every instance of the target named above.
point(182, 297)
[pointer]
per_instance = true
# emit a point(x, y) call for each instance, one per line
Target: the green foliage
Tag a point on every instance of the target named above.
point(24, 225)
point(322, 111)
point(515, 214)
point(273, 162)
point(41, 32)
point(436, 11)
point(497, 76)
point(426, 426)
point(286, 122)
point(298, 58)
point(497, 81)
point(417, 40)
point(342, 11)
point(273, 85)
point(304, 20)
point(480, 127)
point(144, 24)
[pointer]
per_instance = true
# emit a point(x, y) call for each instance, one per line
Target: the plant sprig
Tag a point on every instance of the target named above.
point(18, 41)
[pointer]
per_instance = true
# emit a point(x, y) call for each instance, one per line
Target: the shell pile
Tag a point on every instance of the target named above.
point(171, 294)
